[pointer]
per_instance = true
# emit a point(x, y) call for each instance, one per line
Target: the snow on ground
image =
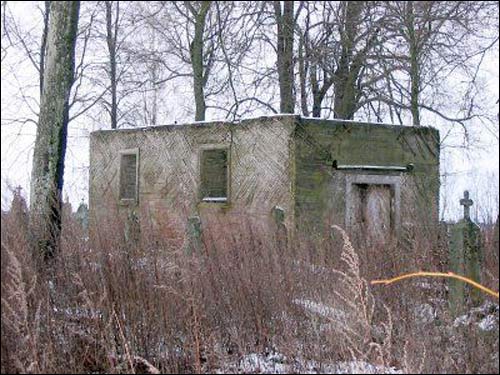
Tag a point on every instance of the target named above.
point(488, 323)
point(485, 317)
point(321, 309)
point(278, 364)
point(425, 313)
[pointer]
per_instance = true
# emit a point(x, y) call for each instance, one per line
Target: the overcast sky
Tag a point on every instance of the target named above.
point(476, 168)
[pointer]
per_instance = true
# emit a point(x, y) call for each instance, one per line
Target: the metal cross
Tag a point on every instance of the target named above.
point(467, 203)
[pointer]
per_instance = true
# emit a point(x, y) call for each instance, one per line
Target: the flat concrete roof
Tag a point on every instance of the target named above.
point(298, 118)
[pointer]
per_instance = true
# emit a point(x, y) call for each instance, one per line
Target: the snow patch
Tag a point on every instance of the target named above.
point(485, 317)
point(238, 121)
point(321, 309)
point(425, 313)
point(276, 363)
point(489, 323)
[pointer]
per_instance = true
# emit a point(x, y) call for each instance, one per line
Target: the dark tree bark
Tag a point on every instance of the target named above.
point(334, 52)
point(303, 71)
point(285, 23)
point(430, 42)
point(414, 65)
point(308, 72)
point(111, 36)
point(349, 66)
point(50, 145)
point(200, 74)
point(43, 46)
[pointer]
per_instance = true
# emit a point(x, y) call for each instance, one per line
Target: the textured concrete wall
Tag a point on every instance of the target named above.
point(321, 189)
point(260, 158)
point(280, 161)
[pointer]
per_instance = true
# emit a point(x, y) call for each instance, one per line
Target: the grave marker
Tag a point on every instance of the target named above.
point(465, 259)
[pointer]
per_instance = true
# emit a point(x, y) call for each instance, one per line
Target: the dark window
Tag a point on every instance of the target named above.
point(214, 173)
point(128, 176)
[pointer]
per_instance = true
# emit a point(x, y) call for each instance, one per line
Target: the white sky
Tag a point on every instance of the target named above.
point(476, 169)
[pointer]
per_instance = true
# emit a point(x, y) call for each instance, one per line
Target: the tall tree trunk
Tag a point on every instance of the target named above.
point(51, 137)
point(319, 93)
point(285, 24)
point(308, 66)
point(303, 70)
point(153, 71)
point(317, 101)
point(199, 80)
point(43, 46)
point(111, 36)
point(414, 65)
point(348, 69)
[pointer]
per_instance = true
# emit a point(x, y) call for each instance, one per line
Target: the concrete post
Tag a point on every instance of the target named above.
point(193, 244)
point(132, 228)
point(281, 231)
point(465, 259)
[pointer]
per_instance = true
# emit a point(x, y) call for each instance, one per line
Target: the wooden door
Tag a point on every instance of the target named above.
point(373, 213)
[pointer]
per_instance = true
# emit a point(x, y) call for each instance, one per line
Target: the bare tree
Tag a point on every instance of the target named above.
point(32, 44)
point(351, 62)
point(336, 55)
point(196, 49)
point(237, 56)
point(111, 39)
point(203, 42)
point(43, 45)
point(316, 56)
point(50, 146)
point(431, 42)
point(285, 24)
point(116, 76)
point(185, 47)
point(25, 45)
point(15, 35)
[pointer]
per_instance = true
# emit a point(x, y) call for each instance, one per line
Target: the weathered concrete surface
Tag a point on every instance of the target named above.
point(321, 190)
point(279, 164)
point(260, 159)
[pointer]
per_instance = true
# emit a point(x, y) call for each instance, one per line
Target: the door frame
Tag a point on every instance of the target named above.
point(357, 179)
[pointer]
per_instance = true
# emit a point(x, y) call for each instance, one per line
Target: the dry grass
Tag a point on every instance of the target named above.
point(113, 305)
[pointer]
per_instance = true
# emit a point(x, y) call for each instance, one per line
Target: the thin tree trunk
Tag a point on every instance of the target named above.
point(111, 41)
point(285, 24)
point(347, 71)
point(51, 137)
point(155, 90)
point(319, 93)
point(43, 46)
point(303, 69)
point(414, 66)
point(197, 61)
point(346, 92)
point(317, 101)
